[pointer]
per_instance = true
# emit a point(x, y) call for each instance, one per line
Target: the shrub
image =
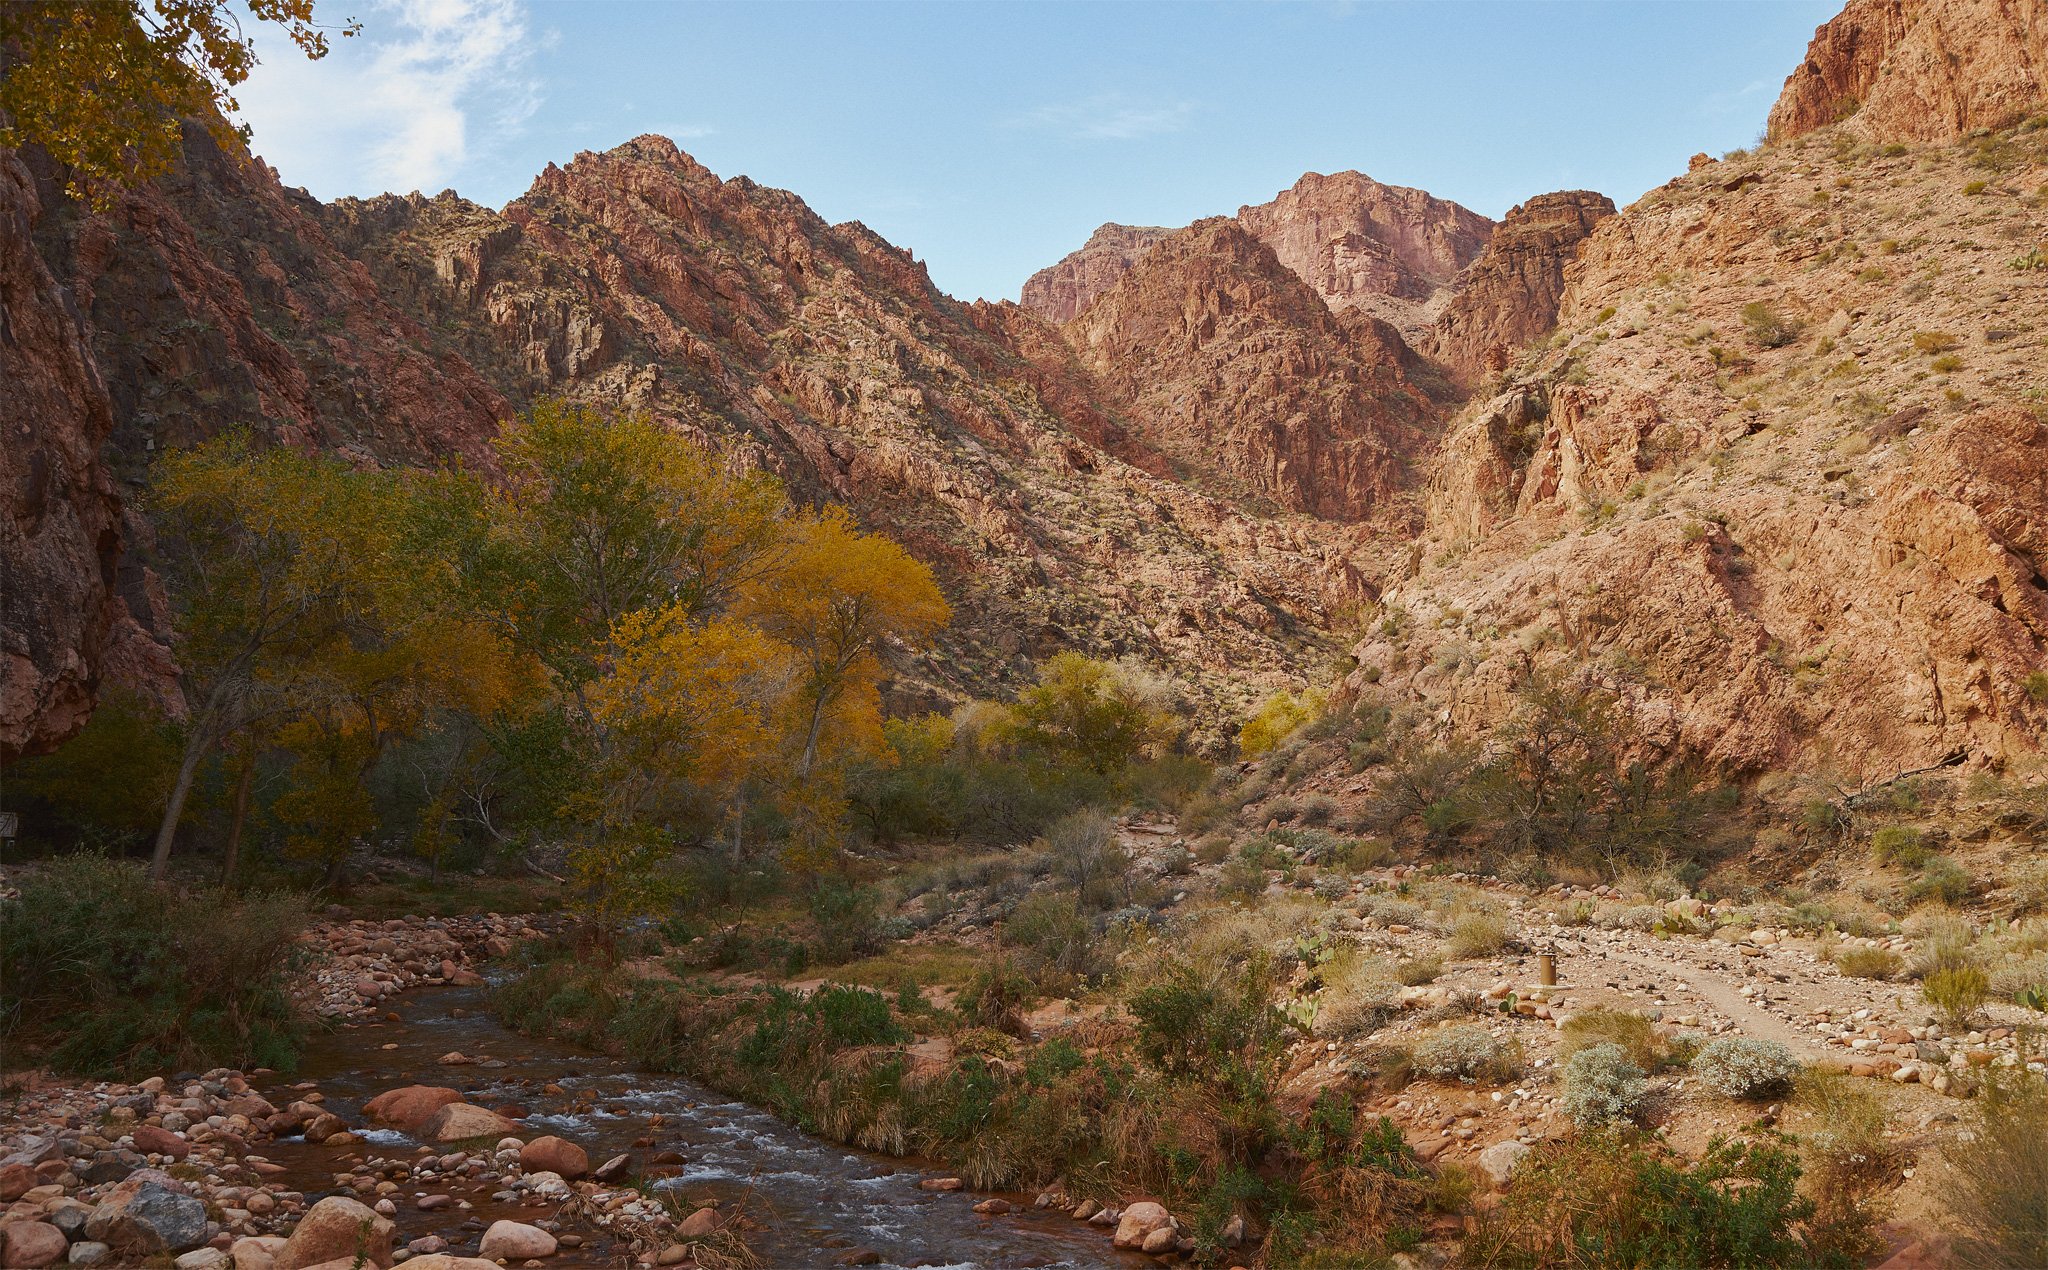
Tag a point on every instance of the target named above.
point(996, 997)
point(1935, 342)
point(1465, 1051)
point(1745, 1067)
point(1052, 936)
point(1241, 879)
point(1941, 879)
point(1477, 935)
point(1358, 998)
point(1278, 717)
point(108, 974)
point(845, 919)
point(1085, 852)
point(1900, 845)
point(2036, 685)
point(1636, 1036)
point(1851, 1167)
point(1864, 962)
point(1998, 1190)
point(1416, 971)
point(1602, 1085)
point(1317, 809)
point(1957, 990)
point(1596, 1200)
point(1767, 327)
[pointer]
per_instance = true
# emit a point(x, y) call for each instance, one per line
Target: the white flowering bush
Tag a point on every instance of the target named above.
point(1603, 1085)
point(1463, 1050)
point(1744, 1067)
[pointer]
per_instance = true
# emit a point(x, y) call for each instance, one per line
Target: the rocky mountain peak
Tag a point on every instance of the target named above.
point(1058, 292)
point(1510, 294)
point(1919, 70)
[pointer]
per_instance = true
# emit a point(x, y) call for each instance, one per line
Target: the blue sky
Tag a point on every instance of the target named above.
point(991, 138)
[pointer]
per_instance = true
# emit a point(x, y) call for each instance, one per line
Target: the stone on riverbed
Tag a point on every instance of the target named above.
point(461, 1120)
point(337, 1227)
point(409, 1106)
point(31, 1245)
point(515, 1241)
point(554, 1155)
point(147, 1214)
point(1139, 1221)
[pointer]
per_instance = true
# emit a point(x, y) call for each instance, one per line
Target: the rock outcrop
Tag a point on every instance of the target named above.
point(1919, 70)
point(1385, 248)
point(1058, 292)
point(60, 541)
point(1509, 295)
point(1789, 522)
point(1228, 362)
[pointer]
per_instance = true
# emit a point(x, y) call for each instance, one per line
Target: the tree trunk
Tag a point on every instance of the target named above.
point(174, 811)
point(233, 854)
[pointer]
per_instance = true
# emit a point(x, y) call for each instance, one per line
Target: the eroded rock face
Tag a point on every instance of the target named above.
point(1386, 248)
point(1509, 295)
point(60, 541)
point(1919, 70)
point(1225, 360)
point(1058, 292)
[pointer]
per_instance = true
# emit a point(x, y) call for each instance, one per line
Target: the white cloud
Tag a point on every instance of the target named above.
point(1110, 117)
point(1729, 101)
point(428, 85)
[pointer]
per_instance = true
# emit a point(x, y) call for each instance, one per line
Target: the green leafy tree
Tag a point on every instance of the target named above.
point(1098, 714)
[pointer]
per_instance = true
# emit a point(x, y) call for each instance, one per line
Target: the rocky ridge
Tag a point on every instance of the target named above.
point(1919, 70)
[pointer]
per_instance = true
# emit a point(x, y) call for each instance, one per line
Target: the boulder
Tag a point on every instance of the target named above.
point(324, 1126)
point(337, 1227)
point(554, 1155)
point(698, 1224)
point(614, 1169)
point(409, 1106)
point(159, 1141)
point(86, 1252)
point(204, 1259)
point(1139, 1221)
point(31, 1245)
point(459, 1121)
point(515, 1241)
point(1500, 1160)
point(256, 1252)
point(148, 1214)
point(15, 1181)
point(1160, 1240)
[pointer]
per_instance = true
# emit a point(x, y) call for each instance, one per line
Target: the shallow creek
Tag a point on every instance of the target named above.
point(813, 1201)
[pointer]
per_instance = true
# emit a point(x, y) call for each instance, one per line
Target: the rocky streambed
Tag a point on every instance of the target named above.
point(518, 1150)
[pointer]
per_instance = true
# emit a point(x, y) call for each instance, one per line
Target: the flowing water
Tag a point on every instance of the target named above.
point(813, 1201)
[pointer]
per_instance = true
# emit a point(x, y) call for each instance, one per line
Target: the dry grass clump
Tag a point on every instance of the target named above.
point(1851, 1166)
point(1866, 962)
point(1359, 995)
point(1475, 935)
point(1998, 1191)
point(1636, 1035)
point(1467, 1051)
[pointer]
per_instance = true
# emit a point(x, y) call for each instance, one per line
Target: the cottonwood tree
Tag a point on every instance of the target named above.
point(105, 87)
point(1098, 714)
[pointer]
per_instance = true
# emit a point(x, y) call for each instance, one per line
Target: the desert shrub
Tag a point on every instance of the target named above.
point(845, 919)
point(1241, 879)
point(1603, 1085)
point(1317, 809)
point(1767, 327)
point(1598, 1200)
point(1941, 879)
point(1958, 990)
point(1086, 854)
point(1416, 971)
point(1476, 935)
point(1935, 342)
point(1636, 1036)
point(1851, 1166)
point(1391, 909)
point(1359, 996)
point(997, 997)
point(1278, 717)
point(1900, 845)
point(1745, 1067)
point(1054, 939)
point(1465, 1051)
point(1865, 962)
point(108, 974)
point(1941, 938)
point(1997, 1193)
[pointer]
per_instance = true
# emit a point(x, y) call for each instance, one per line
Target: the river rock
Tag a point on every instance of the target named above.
point(15, 1181)
point(256, 1252)
point(204, 1259)
point(31, 1245)
point(1500, 1160)
point(87, 1252)
point(554, 1155)
point(1160, 1240)
point(324, 1126)
point(159, 1141)
point(334, 1228)
point(698, 1224)
point(443, 1261)
point(1138, 1221)
point(515, 1241)
point(409, 1106)
point(147, 1214)
point(614, 1169)
point(461, 1120)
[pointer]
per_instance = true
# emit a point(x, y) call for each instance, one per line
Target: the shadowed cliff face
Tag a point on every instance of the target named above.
point(1919, 70)
point(1509, 295)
